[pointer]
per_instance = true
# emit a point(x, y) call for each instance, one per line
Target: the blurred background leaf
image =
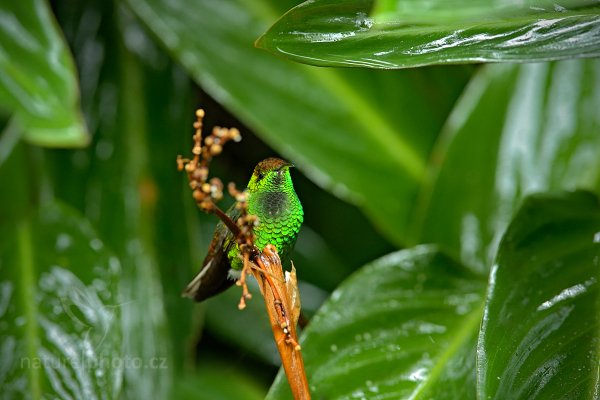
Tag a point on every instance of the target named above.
point(539, 341)
point(111, 183)
point(217, 380)
point(404, 326)
point(526, 128)
point(59, 309)
point(38, 83)
point(416, 33)
point(330, 123)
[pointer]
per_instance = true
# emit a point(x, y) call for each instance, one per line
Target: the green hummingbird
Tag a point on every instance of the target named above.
point(272, 198)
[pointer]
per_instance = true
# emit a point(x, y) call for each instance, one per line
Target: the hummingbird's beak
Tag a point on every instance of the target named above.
point(286, 164)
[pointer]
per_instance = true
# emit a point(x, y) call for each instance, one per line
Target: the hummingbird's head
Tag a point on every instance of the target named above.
point(271, 175)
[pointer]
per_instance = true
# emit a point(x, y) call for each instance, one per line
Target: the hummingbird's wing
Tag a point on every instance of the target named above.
point(213, 277)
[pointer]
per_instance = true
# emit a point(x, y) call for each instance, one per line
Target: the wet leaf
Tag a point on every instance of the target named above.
point(542, 318)
point(416, 33)
point(38, 83)
point(404, 326)
point(60, 309)
point(518, 129)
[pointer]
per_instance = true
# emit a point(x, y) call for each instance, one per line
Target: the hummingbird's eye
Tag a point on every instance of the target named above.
point(260, 176)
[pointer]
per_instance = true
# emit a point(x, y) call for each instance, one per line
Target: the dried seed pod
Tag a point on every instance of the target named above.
point(198, 195)
point(235, 134)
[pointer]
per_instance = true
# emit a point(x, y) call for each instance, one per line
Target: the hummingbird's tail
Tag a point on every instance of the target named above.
point(210, 281)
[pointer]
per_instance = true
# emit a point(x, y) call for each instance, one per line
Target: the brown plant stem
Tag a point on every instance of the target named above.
point(282, 310)
point(227, 221)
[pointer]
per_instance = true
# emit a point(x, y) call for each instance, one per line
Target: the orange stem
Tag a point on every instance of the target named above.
point(285, 339)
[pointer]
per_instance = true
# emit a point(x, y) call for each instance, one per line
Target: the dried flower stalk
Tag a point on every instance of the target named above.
point(280, 293)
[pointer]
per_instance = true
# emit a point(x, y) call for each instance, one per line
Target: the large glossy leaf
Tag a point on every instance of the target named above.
point(59, 309)
point(412, 33)
point(541, 327)
point(37, 76)
point(516, 130)
point(404, 326)
point(330, 123)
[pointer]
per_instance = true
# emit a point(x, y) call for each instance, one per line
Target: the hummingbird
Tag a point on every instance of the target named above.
point(272, 198)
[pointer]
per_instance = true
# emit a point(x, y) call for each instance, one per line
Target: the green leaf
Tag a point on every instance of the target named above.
point(37, 77)
point(541, 327)
point(515, 131)
point(60, 309)
point(412, 33)
point(164, 191)
point(455, 10)
point(330, 123)
point(404, 326)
